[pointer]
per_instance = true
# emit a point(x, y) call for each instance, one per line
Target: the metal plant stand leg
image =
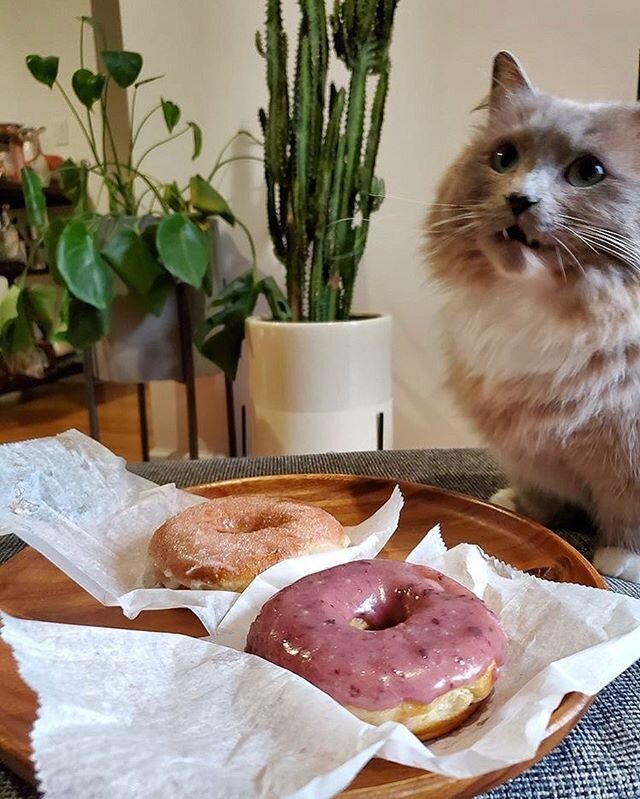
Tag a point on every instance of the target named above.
point(231, 416)
point(188, 374)
point(380, 430)
point(90, 385)
point(142, 415)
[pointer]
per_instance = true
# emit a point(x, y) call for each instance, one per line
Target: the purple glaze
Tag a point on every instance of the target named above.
point(427, 633)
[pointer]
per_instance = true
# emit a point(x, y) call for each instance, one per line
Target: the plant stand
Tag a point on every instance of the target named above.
point(188, 379)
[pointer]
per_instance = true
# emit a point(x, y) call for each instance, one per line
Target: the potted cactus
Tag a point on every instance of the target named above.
point(319, 377)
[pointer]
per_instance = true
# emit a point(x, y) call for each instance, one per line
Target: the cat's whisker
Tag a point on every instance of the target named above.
point(564, 247)
point(606, 241)
point(451, 219)
point(457, 231)
point(423, 202)
point(619, 253)
point(578, 236)
point(623, 243)
point(404, 199)
point(584, 224)
point(627, 249)
point(605, 232)
point(561, 263)
point(475, 204)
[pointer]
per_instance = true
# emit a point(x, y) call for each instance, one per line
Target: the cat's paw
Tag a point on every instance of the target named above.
point(505, 498)
point(618, 562)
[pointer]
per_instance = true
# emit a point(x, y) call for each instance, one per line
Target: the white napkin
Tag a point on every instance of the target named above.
point(133, 714)
point(74, 501)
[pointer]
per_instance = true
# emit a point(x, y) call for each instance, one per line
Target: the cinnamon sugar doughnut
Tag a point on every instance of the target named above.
point(391, 641)
point(225, 542)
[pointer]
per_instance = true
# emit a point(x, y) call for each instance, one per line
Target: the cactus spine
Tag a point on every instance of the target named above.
point(320, 151)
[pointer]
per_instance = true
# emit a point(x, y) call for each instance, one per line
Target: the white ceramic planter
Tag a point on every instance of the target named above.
point(319, 386)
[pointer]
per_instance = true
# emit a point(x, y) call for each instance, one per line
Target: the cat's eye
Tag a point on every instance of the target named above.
point(585, 171)
point(504, 158)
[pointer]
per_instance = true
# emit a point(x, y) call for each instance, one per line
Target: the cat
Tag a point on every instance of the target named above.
point(535, 237)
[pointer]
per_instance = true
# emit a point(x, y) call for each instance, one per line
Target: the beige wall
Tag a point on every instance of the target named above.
point(31, 26)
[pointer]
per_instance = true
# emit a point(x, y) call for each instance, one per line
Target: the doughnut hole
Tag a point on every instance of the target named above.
point(383, 610)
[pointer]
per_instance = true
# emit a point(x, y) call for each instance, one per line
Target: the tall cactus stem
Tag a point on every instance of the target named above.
point(320, 151)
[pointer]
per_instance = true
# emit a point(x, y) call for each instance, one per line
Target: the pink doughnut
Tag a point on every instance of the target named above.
point(389, 640)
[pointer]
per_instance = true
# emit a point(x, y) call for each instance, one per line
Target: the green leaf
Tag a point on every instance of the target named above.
point(221, 340)
point(16, 333)
point(149, 235)
point(51, 239)
point(197, 139)
point(123, 66)
point(128, 255)
point(224, 349)
point(19, 335)
point(139, 83)
point(9, 307)
point(173, 197)
point(87, 86)
point(73, 178)
point(183, 249)
point(94, 23)
point(34, 199)
point(81, 266)
point(85, 324)
point(171, 114)
point(278, 304)
point(157, 296)
point(43, 307)
point(43, 68)
point(207, 282)
point(206, 199)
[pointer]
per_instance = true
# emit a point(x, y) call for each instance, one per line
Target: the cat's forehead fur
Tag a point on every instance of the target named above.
point(563, 128)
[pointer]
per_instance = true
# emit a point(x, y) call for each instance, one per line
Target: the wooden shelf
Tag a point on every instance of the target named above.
point(11, 193)
point(65, 366)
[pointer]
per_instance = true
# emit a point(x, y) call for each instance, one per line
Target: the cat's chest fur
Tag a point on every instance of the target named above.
point(531, 377)
point(508, 335)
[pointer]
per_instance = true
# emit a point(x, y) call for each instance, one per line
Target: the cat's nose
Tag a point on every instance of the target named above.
point(519, 203)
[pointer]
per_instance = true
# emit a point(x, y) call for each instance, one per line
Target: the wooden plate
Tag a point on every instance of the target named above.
point(32, 588)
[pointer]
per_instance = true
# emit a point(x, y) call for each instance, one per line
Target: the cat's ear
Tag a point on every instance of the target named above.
point(508, 78)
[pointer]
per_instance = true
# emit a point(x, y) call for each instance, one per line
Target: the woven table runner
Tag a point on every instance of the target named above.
point(599, 759)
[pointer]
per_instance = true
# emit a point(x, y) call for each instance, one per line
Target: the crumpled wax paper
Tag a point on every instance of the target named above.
point(133, 714)
point(74, 501)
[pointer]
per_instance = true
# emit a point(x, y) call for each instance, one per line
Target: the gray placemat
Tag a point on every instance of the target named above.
point(599, 759)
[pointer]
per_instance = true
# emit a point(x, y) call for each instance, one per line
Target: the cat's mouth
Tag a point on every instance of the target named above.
point(516, 233)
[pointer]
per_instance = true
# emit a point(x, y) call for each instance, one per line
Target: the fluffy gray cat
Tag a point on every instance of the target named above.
point(536, 237)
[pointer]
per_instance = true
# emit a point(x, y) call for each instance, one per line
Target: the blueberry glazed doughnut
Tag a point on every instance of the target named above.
point(391, 641)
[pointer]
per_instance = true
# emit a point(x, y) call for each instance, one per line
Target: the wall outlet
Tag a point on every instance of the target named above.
point(60, 132)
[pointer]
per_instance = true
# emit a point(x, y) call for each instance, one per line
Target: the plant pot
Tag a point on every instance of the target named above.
point(319, 386)
point(141, 347)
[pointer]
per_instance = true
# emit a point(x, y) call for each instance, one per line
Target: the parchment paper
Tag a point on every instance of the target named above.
point(75, 502)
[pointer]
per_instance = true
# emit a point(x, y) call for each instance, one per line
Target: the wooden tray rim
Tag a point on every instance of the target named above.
point(598, 580)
